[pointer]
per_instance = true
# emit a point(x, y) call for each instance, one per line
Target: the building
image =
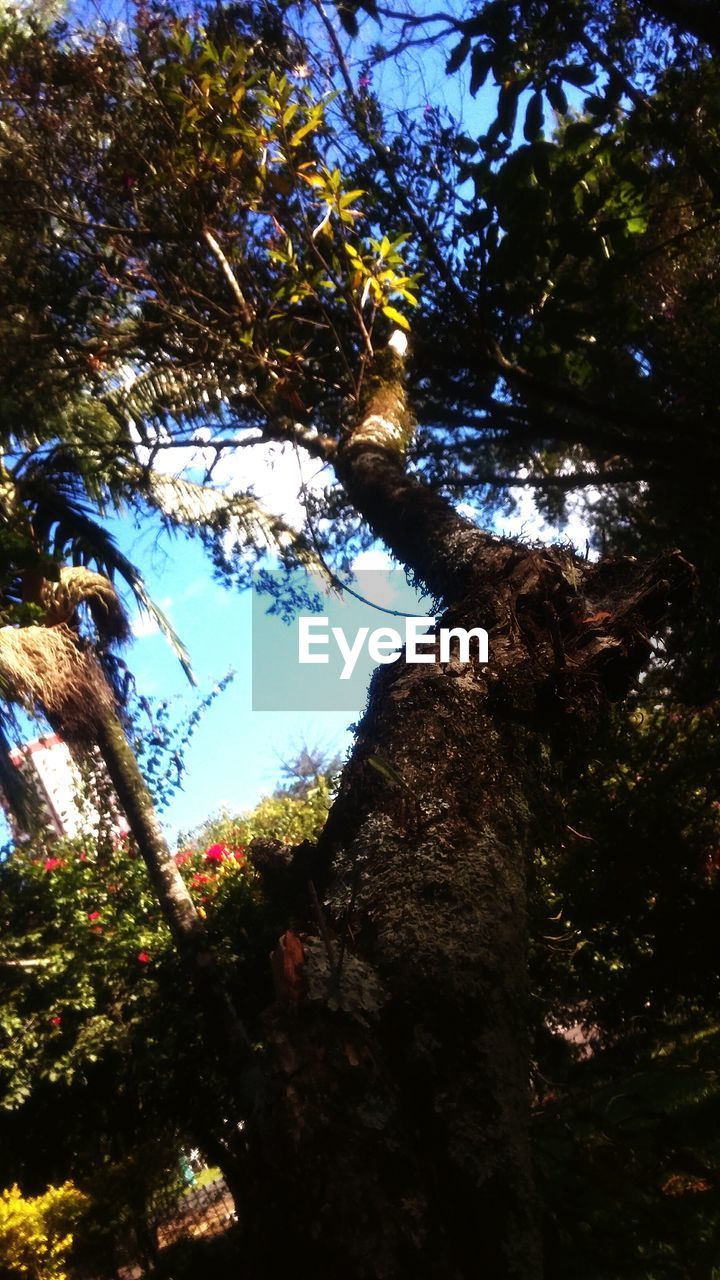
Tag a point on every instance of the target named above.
point(66, 804)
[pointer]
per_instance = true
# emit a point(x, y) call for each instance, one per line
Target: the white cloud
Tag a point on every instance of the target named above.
point(527, 522)
point(143, 624)
point(278, 474)
point(372, 558)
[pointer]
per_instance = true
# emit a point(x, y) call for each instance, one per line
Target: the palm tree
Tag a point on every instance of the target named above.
point(55, 664)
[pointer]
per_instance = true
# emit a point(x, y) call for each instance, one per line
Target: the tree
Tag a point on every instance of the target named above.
point(34, 1234)
point(49, 664)
point(235, 239)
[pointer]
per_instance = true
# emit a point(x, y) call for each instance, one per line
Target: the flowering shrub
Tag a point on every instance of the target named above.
point(282, 816)
point(36, 1233)
point(93, 996)
point(73, 922)
point(99, 1049)
point(218, 873)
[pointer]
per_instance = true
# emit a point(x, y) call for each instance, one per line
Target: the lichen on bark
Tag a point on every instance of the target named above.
point(384, 420)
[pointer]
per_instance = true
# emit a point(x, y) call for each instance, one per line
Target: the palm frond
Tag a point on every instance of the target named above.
point(78, 586)
point(63, 522)
point(236, 518)
point(148, 606)
point(152, 396)
point(17, 792)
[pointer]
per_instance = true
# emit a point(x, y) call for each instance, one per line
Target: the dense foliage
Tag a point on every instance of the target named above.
point(99, 1049)
point(35, 1232)
point(626, 984)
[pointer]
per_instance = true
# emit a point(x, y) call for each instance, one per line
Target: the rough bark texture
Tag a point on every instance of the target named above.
point(395, 1138)
point(400, 1089)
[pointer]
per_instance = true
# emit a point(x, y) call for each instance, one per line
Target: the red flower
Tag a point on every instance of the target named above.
point(182, 858)
point(143, 957)
point(94, 915)
point(199, 879)
point(50, 864)
point(56, 1020)
point(240, 854)
point(216, 853)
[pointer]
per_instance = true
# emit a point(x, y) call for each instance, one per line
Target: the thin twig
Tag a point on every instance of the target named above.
point(245, 312)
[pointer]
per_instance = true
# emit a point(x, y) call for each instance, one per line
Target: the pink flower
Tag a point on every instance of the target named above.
point(182, 858)
point(51, 864)
point(143, 957)
point(93, 915)
point(216, 853)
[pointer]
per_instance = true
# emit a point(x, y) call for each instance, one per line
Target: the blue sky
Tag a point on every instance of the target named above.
point(236, 753)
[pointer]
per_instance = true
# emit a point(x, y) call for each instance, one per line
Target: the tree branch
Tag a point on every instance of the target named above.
point(245, 312)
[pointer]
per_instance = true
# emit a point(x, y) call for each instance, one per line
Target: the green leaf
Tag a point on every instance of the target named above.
point(534, 117)
point(507, 108)
point(396, 316)
point(557, 97)
point(458, 55)
point(302, 132)
point(596, 105)
point(577, 74)
point(480, 63)
point(388, 772)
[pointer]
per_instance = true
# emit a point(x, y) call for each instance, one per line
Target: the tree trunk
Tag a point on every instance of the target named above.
point(402, 1078)
point(172, 893)
point(21, 801)
point(225, 1038)
point(395, 1140)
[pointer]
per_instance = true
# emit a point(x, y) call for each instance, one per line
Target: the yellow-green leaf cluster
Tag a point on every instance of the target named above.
point(36, 1231)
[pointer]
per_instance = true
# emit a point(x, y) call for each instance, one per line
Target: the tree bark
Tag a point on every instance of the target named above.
point(395, 1140)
